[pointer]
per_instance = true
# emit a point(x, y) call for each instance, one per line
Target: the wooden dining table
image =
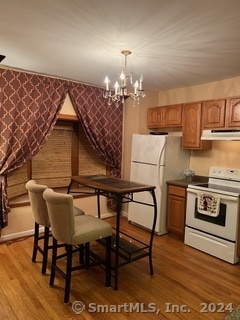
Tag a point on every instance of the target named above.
point(125, 247)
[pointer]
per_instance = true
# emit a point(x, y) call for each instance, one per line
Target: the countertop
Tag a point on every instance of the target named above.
point(184, 183)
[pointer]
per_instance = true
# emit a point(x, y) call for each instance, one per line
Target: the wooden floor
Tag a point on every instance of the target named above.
point(186, 283)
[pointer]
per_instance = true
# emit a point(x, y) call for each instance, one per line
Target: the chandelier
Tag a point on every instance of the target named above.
point(121, 91)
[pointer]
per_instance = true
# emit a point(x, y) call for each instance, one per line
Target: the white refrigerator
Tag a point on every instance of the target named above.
point(155, 159)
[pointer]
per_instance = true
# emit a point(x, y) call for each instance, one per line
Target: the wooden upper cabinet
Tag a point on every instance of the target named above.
point(194, 117)
point(221, 114)
point(173, 115)
point(166, 116)
point(192, 127)
point(214, 114)
point(154, 117)
point(233, 119)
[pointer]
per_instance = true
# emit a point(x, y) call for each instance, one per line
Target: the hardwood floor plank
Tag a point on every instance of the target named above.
point(185, 281)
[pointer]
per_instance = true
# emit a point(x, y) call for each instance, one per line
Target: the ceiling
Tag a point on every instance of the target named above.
point(174, 43)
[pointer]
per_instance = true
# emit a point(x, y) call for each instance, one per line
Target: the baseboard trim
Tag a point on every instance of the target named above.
point(124, 214)
point(28, 233)
point(107, 215)
point(17, 235)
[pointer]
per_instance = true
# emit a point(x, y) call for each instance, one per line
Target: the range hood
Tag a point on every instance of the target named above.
point(221, 134)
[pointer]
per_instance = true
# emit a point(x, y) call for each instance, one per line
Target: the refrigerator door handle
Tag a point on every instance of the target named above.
point(158, 165)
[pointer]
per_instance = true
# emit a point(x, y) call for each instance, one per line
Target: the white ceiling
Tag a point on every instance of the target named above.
point(174, 43)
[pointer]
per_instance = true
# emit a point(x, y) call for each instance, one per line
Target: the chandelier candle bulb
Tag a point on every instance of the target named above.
point(135, 87)
point(107, 83)
point(122, 77)
point(116, 87)
point(141, 82)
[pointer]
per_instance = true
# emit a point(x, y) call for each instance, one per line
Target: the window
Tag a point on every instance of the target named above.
point(67, 152)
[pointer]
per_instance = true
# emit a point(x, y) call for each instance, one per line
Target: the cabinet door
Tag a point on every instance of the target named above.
point(191, 130)
point(154, 117)
point(173, 116)
point(176, 209)
point(191, 133)
point(234, 113)
point(213, 115)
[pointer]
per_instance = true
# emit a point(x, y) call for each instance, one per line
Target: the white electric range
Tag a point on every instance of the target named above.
point(214, 230)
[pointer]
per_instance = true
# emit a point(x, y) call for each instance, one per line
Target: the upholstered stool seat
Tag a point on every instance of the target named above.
point(73, 232)
point(40, 213)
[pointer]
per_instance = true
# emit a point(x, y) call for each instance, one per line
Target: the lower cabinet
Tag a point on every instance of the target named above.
point(176, 209)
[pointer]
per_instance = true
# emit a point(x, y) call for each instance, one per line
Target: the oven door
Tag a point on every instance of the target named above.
point(224, 225)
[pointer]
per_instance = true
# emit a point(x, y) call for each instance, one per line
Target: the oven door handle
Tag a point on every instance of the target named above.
point(222, 197)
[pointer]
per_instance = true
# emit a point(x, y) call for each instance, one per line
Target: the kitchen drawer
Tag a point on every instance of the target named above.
point(178, 191)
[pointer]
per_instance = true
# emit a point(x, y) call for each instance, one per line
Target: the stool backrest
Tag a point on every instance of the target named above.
point(60, 211)
point(38, 204)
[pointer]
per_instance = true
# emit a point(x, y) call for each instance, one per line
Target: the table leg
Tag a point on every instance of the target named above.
point(118, 211)
point(69, 187)
point(98, 204)
point(153, 230)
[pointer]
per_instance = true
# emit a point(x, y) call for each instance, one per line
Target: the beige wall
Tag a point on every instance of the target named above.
point(223, 154)
point(213, 90)
point(67, 107)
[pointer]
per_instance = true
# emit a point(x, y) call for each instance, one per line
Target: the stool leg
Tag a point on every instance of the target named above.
point(35, 242)
point(45, 250)
point(54, 261)
point(108, 262)
point(87, 255)
point(81, 254)
point(68, 273)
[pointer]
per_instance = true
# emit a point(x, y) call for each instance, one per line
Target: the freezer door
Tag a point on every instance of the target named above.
point(139, 213)
point(148, 148)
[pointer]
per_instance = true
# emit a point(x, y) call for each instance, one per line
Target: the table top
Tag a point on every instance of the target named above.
point(111, 184)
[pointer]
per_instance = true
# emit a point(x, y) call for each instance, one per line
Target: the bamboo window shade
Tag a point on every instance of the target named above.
point(16, 181)
point(89, 162)
point(52, 164)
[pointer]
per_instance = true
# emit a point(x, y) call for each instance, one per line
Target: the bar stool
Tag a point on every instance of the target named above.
point(74, 232)
point(40, 212)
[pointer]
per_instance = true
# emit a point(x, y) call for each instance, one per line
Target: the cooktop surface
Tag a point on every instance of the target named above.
point(216, 187)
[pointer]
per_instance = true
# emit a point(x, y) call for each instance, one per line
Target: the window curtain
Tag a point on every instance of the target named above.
point(29, 106)
point(102, 123)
